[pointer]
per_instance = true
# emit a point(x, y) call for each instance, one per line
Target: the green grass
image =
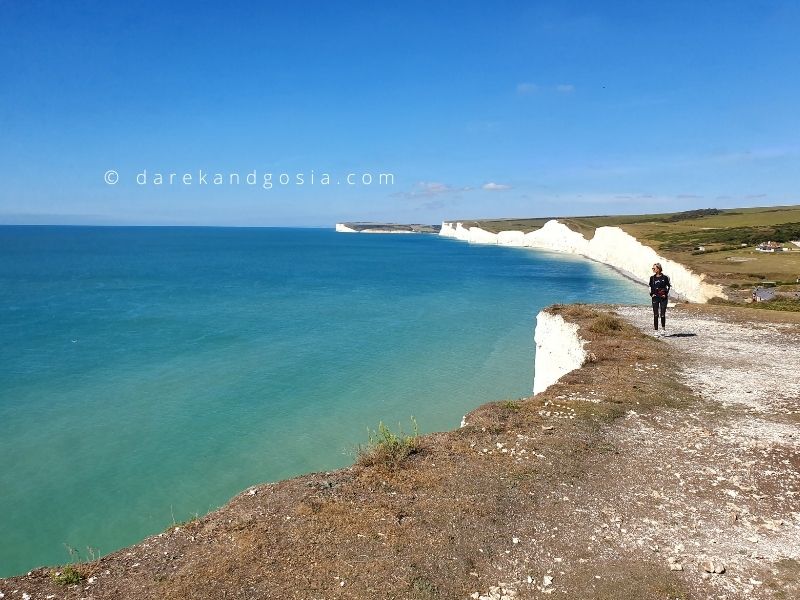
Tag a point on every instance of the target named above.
point(389, 449)
point(68, 575)
point(785, 304)
point(730, 237)
point(778, 304)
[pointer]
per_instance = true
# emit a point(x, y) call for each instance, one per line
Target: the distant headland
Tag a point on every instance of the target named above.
point(386, 228)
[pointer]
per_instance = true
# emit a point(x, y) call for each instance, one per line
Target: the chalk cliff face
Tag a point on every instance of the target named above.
point(610, 245)
point(342, 228)
point(559, 350)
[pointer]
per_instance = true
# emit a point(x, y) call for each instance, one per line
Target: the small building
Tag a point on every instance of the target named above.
point(769, 247)
point(761, 294)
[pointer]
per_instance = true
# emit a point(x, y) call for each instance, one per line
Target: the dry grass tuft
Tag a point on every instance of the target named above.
point(606, 324)
point(388, 449)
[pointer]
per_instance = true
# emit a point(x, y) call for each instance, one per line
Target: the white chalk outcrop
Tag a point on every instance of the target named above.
point(559, 350)
point(610, 245)
point(342, 228)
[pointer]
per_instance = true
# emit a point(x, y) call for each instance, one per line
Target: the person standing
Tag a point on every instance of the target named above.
point(659, 293)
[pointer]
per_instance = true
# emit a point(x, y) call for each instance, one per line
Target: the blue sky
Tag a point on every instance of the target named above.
point(478, 109)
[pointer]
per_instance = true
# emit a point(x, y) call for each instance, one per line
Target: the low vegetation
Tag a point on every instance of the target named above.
point(785, 304)
point(606, 324)
point(778, 304)
point(68, 575)
point(388, 449)
point(730, 237)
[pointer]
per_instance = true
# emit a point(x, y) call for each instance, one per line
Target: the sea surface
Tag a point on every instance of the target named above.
point(149, 374)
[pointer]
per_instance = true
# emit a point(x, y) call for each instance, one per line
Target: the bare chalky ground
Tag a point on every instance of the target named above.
point(726, 474)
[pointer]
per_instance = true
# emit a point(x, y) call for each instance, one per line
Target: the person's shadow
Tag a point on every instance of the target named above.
point(681, 335)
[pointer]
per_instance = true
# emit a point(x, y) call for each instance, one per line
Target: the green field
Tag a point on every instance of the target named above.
point(720, 232)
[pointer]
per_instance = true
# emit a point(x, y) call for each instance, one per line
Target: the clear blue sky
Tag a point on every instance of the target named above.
point(560, 107)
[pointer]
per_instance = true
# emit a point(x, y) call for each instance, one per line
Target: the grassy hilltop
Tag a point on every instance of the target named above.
point(727, 237)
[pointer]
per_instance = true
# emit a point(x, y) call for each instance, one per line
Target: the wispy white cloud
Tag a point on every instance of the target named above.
point(432, 188)
point(565, 88)
point(526, 88)
point(495, 187)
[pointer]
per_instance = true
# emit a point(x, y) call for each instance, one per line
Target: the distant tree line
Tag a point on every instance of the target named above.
point(754, 235)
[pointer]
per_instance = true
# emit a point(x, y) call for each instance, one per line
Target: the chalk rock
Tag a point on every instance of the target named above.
point(713, 566)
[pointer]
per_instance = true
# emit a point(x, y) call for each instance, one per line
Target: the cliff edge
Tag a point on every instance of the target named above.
point(658, 468)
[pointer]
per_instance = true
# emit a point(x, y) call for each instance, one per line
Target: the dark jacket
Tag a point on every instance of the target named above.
point(659, 286)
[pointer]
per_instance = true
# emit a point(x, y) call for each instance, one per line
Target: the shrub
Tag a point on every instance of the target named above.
point(387, 448)
point(606, 324)
point(69, 575)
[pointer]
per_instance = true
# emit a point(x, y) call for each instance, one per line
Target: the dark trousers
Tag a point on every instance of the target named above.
point(659, 309)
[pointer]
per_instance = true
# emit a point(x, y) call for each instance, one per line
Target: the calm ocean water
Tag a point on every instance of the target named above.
point(148, 374)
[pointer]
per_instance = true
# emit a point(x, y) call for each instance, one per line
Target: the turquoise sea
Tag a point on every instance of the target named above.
point(148, 374)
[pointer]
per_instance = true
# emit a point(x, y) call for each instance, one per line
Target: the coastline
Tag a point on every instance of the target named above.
point(561, 335)
point(610, 246)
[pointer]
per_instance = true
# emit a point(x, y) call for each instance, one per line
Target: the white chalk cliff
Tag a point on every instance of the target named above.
point(610, 245)
point(342, 228)
point(559, 350)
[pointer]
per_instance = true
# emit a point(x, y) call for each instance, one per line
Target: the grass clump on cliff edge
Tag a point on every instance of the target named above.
point(606, 323)
point(69, 575)
point(389, 449)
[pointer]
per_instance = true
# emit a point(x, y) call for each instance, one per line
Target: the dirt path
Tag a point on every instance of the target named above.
point(726, 473)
